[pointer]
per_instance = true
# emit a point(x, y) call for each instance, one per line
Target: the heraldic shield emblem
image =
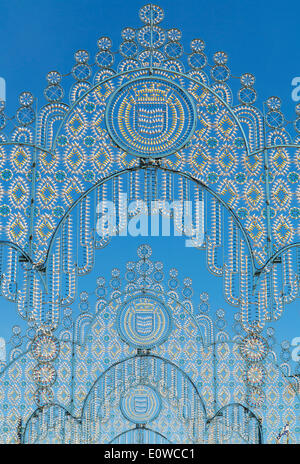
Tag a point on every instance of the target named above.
point(144, 322)
point(151, 117)
point(141, 404)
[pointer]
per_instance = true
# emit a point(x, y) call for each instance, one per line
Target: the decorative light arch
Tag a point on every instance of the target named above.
point(148, 120)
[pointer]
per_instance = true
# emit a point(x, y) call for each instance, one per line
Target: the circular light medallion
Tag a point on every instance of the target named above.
point(150, 117)
point(254, 348)
point(45, 348)
point(144, 322)
point(141, 404)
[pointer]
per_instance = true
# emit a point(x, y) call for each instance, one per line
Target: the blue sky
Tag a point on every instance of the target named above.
point(260, 37)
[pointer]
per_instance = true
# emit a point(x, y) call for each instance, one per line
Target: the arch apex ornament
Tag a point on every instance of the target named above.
point(140, 346)
point(141, 404)
point(150, 117)
point(144, 322)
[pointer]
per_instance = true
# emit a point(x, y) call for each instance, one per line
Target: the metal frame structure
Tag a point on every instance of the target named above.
point(62, 160)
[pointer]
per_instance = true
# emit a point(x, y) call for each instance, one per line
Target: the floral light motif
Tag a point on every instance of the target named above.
point(112, 136)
